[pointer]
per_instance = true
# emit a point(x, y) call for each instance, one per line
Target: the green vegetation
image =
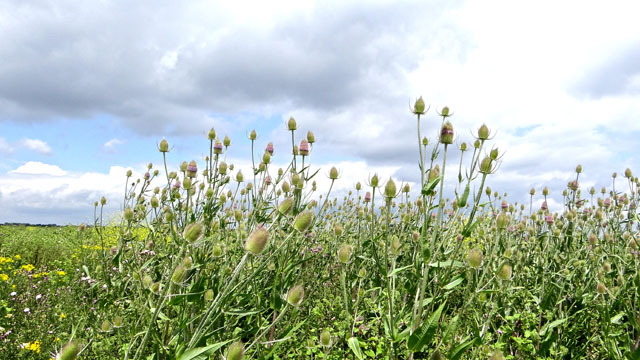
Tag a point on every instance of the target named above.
point(206, 263)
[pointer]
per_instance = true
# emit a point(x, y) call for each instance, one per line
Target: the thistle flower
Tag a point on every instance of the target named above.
point(192, 169)
point(269, 148)
point(304, 147)
point(446, 133)
point(217, 147)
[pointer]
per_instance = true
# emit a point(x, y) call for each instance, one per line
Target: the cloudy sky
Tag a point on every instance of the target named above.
point(88, 89)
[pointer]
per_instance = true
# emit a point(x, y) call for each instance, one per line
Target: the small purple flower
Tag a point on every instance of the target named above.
point(176, 185)
point(269, 148)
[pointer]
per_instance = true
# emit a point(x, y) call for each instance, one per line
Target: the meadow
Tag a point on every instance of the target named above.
point(216, 264)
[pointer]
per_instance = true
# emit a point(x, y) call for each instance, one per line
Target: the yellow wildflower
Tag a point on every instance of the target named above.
point(32, 346)
point(62, 316)
point(28, 267)
point(17, 257)
point(61, 273)
point(4, 277)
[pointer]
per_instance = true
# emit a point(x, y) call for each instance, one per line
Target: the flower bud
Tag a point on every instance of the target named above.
point(474, 258)
point(486, 165)
point(419, 106)
point(446, 133)
point(178, 274)
point(578, 169)
point(226, 141)
point(217, 147)
point(295, 295)
point(212, 134)
point(164, 146)
point(483, 132)
point(257, 241)
point(128, 214)
point(502, 221)
point(236, 351)
point(70, 351)
point(601, 288)
point(103, 201)
point(374, 181)
point(208, 295)
point(628, 174)
point(285, 206)
point(303, 221)
point(286, 187)
point(193, 232)
point(311, 138)
point(493, 154)
point(291, 124)
point(344, 253)
point(505, 272)
point(239, 176)
point(390, 189)
point(325, 338)
point(333, 173)
point(253, 135)
point(425, 141)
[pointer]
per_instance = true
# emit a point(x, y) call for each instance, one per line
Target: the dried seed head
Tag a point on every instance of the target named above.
point(303, 221)
point(257, 241)
point(295, 295)
point(236, 351)
point(193, 232)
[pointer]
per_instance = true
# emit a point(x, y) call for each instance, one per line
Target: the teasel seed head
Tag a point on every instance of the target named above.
point(303, 221)
point(344, 253)
point(236, 351)
point(193, 232)
point(446, 133)
point(295, 295)
point(257, 241)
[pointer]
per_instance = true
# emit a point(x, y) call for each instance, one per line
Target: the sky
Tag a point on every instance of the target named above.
point(89, 88)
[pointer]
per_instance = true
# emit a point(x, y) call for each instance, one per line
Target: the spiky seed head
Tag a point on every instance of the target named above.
point(486, 165)
point(578, 169)
point(285, 206)
point(187, 262)
point(497, 355)
point(291, 124)
point(333, 173)
point(147, 281)
point(532, 191)
point(257, 241)
point(303, 221)
point(474, 258)
point(103, 201)
point(463, 147)
point(193, 232)
point(358, 186)
point(505, 272)
point(179, 274)
point(437, 355)
point(311, 138)
point(425, 141)
point(286, 187)
point(128, 214)
point(362, 272)
point(70, 351)
point(295, 295)
point(374, 181)
point(304, 147)
point(208, 295)
point(502, 221)
point(217, 147)
point(344, 253)
point(106, 326)
point(236, 351)
point(192, 169)
point(367, 197)
point(483, 132)
point(325, 338)
point(226, 141)
point(253, 135)
point(601, 288)
point(446, 133)
point(163, 147)
point(338, 230)
point(419, 106)
point(493, 154)
point(628, 174)
point(444, 112)
point(390, 189)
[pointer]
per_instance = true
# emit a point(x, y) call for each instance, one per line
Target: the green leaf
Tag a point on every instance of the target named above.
point(459, 350)
point(450, 330)
point(428, 188)
point(616, 319)
point(396, 271)
point(448, 263)
point(354, 345)
point(202, 353)
point(552, 325)
point(454, 283)
point(423, 335)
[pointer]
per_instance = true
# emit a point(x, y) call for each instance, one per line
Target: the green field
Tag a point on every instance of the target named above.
point(210, 263)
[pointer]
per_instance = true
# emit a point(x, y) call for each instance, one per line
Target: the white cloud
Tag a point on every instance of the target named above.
point(35, 145)
point(110, 146)
point(38, 168)
point(5, 147)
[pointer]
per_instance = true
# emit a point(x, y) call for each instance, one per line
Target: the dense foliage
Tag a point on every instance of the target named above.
point(206, 262)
